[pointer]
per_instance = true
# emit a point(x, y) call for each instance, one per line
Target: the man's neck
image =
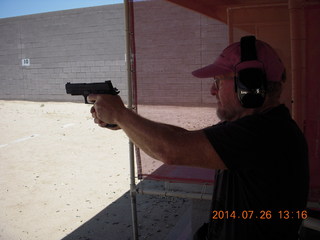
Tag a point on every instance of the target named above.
point(251, 111)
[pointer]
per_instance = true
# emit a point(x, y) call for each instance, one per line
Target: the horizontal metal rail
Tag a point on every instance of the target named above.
point(199, 196)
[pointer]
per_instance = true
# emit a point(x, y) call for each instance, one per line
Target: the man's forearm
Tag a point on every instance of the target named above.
point(169, 144)
point(155, 139)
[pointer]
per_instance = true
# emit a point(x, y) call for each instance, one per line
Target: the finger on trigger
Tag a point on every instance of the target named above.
point(92, 97)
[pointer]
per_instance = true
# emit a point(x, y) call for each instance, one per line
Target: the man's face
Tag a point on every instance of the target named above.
point(229, 107)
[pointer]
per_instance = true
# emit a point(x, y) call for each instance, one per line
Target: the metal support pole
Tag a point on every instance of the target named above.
point(133, 193)
point(298, 62)
point(129, 59)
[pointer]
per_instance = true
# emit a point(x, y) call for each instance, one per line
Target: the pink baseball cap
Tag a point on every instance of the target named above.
point(229, 61)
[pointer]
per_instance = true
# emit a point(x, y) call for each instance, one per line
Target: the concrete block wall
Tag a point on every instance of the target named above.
point(88, 45)
point(171, 42)
point(82, 45)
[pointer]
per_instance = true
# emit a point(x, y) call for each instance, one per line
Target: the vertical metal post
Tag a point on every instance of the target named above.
point(230, 25)
point(129, 59)
point(133, 193)
point(298, 62)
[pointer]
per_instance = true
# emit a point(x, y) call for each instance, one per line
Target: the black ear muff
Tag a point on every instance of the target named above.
point(250, 83)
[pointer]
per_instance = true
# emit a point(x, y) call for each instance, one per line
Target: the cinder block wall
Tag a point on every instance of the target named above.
point(171, 42)
point(88, 45)
point(82, 45)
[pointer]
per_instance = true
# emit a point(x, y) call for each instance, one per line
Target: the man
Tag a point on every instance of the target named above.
point(260, 153)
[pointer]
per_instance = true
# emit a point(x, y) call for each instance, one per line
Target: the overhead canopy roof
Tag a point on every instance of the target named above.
point(217, 8)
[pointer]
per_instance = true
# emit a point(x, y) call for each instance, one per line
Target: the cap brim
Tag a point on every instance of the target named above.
point(210, 71)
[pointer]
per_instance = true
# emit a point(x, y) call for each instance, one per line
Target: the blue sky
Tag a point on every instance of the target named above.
point(13, 8)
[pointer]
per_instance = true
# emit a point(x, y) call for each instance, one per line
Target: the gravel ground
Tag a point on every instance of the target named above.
point(63, 177)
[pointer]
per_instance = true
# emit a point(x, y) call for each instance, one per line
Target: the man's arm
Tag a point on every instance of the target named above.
point(169, 144)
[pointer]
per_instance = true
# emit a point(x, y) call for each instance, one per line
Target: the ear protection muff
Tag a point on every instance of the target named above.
point(250, 83)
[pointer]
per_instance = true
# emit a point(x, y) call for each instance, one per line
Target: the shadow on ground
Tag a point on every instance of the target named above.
point(158, 218)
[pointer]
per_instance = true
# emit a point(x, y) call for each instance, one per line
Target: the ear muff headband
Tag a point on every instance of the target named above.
point(250, 83)
point(248, 48)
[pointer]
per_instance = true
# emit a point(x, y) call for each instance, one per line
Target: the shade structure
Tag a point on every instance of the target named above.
point(174, 37)
point(169, 39)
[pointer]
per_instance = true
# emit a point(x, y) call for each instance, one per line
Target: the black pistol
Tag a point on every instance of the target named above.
point(85, 89)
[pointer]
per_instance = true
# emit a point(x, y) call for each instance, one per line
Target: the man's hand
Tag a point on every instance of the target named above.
point(106, 109)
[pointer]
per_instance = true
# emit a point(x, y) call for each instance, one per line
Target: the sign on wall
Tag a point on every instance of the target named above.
point(26, 62)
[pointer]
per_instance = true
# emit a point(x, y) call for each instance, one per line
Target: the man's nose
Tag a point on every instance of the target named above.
point(214, 90)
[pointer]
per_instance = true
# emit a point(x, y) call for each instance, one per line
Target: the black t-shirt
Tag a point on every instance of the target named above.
point(264, 191)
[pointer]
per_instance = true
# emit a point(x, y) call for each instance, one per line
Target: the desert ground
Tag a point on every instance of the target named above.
point(63, 177)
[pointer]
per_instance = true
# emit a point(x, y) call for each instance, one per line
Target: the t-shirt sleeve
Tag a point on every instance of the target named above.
point(239, 144)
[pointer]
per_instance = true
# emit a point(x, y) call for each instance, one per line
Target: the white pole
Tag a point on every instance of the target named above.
point(129, 59)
